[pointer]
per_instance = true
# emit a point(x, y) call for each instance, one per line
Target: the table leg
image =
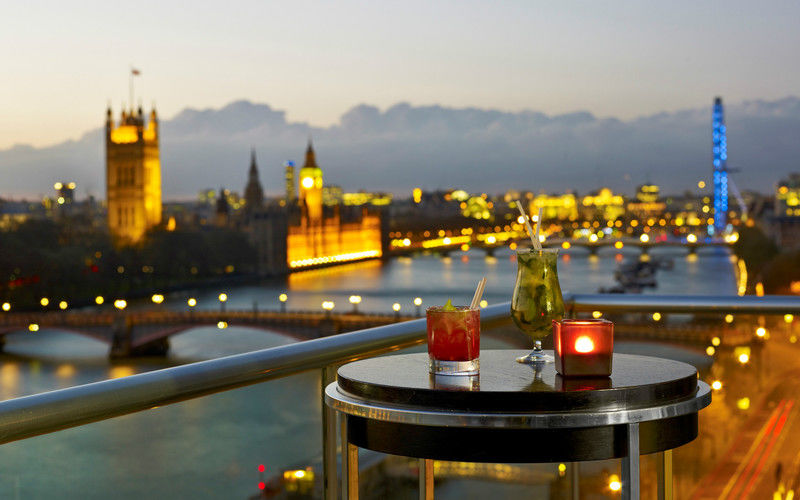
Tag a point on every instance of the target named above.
point(343, 441)
point(573, 477)
point(664, 475)
point(352, 471)
point(425, 479)
point(630, 465)
point(329, 479)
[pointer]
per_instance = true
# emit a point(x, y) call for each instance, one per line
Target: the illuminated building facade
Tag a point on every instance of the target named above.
point(133, 176)
point(311, 189)
point(65, 192)
point(322, 235)
point(647, 193)
point(787, 197)
point(558, 206)
point(647, 202)
point(364, 198)
point(720, 158)
point(332, 195)
point(787, 212)
point(604, 205)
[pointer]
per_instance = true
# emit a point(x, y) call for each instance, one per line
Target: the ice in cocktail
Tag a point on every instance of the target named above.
point(454, 339)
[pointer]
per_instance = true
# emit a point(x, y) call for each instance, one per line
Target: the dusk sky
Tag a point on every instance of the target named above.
point(64, 61)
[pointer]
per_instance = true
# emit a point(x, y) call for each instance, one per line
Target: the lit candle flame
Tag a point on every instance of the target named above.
point(584, 344)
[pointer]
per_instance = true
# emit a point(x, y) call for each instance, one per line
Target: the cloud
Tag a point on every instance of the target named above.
point(406, 146)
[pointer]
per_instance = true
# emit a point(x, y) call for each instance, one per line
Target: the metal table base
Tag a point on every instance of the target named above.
point(631, 419)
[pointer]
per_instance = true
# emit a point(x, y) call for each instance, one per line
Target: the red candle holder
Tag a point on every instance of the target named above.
point(583, 347)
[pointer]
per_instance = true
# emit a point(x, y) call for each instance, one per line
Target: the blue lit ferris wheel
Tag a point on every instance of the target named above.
point(720, 155)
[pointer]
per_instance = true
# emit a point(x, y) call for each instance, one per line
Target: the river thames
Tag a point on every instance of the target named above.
point(212, 447)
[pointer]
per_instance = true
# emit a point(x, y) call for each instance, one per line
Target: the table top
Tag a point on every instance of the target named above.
point(503, 385)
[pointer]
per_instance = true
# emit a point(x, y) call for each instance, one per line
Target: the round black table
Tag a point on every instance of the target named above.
point(512, 413)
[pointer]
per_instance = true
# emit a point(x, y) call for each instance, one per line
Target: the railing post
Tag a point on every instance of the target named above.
point(329, 470)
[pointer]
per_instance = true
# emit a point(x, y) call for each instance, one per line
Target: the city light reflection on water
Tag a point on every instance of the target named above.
point(220, 437)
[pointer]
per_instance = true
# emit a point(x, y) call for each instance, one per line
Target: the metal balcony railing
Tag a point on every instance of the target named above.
point(43, 413)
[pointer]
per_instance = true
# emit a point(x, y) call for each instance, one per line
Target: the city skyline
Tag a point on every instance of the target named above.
point(316, 61)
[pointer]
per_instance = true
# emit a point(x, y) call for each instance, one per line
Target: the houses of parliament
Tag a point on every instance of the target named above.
point(133, 176)
point(301, 230)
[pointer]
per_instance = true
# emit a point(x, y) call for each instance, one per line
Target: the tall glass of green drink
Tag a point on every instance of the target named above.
point(537, 299)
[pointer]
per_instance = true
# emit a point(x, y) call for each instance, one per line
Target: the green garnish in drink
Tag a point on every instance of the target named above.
point(449, 306)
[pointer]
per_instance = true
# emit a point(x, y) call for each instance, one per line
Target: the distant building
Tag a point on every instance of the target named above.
point(557, 206)
point(603, 205)
point(647, 193)
point(65, 192)
point(787, 197)
point(293, 236)
point(222, 216)
point(367, 198)
point(253, 192)
point(332, 195)
point(647, 203)
point(291, 183)
point(133, 176)
point(321, 236)
point(787, 212)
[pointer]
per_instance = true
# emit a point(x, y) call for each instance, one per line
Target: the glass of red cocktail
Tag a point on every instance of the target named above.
point(454, 340)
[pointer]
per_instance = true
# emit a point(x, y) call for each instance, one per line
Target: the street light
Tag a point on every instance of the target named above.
point(222, 299)
point(62, 305)
point(328, 305)
point(157, 298)
point(396, 309)
point(355, 300)
point(418, 303)
point(283, 298)
point(44, 302)
point(120, 304)
point(99, 300)
point(191, 302)
point(6, 306)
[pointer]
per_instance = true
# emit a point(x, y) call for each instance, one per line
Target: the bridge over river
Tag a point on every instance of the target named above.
point(490, 242)
point(146, 332)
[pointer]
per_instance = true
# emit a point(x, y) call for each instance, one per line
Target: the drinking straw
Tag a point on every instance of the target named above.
point(534, 240)
point(538, 227)
point(476, 299)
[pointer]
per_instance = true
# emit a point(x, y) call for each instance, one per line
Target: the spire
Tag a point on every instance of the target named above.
point(253, 166)
point(311, 162)
point(253, 192)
